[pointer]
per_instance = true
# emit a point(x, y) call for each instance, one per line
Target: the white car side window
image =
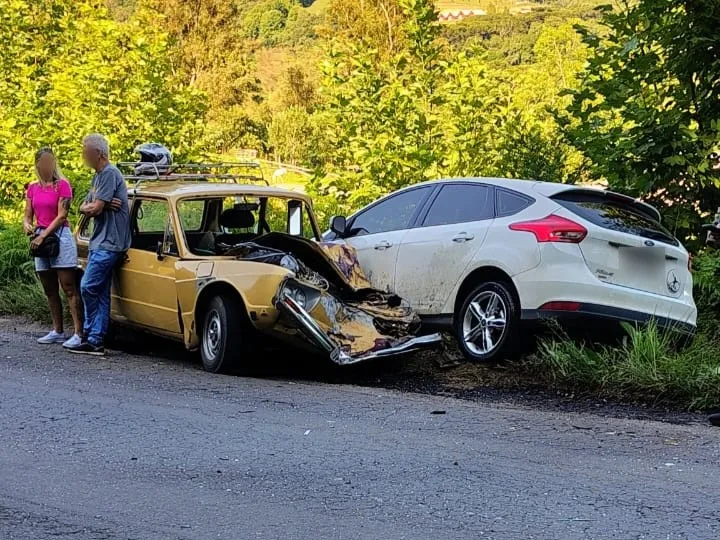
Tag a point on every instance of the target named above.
point(392, 214)
point(460, 203)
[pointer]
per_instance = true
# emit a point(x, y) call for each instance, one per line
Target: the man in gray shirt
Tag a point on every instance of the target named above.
point(107, 204)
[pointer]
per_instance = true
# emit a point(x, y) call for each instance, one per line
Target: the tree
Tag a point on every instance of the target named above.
point(530, 141)
point(647, 114)
point(210, 54)
point(292, 136)
point(375, 23)
point(421, 110)
point(384, 109)
point(69, 70)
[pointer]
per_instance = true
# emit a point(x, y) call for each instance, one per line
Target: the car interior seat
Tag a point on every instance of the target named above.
point(236, 218)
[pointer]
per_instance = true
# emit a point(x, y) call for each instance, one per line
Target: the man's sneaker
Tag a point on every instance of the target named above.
point(52, 337)
point(87, 348)
point(74, 341)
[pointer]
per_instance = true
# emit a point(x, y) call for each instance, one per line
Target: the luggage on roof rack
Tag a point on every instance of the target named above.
point(237, 172)
point(154, 158)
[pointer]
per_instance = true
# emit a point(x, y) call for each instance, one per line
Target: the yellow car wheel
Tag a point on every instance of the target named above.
point(222, 334)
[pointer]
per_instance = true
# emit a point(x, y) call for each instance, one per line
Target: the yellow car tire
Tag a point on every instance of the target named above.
point(222, 334)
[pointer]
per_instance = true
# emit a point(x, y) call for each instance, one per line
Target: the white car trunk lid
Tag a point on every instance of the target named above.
point(625, 245)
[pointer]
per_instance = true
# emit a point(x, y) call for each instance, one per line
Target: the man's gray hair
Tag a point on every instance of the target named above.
point(99, 143)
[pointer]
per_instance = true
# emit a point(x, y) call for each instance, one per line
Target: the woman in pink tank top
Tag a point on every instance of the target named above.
point(46, 212)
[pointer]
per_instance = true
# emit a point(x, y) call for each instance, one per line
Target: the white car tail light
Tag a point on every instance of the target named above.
point(553, 229)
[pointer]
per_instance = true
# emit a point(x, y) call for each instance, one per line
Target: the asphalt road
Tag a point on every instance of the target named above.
point(142, 447)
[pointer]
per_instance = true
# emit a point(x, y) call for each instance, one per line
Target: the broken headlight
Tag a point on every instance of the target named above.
point(296, 293)
point(305, 297)
point(290, 263)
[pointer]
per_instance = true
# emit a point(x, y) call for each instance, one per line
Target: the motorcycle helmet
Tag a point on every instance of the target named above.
point(155, 159)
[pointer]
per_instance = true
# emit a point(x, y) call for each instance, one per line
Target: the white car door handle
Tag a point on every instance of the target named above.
point(383, 245)
point(462, 237)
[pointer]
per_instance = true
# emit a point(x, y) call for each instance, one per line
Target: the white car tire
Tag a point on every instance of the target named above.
point(486, 324)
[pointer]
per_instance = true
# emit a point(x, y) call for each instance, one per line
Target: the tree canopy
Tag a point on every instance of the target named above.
point(69, 70)
point(647, 114)
point(375, 95)
point(422, 109)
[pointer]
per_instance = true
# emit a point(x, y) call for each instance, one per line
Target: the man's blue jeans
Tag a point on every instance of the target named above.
point(95, 289)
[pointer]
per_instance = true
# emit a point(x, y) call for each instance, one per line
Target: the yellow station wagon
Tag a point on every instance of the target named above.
point(218, 265)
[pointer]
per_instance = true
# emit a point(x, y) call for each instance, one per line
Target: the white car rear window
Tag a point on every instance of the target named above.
point(615, 215)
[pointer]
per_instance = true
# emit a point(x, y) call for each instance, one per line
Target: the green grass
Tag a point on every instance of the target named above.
point(20, 290)
point(649, 366)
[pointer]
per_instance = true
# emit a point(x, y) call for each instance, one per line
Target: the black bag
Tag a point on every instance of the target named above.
point(49, 249)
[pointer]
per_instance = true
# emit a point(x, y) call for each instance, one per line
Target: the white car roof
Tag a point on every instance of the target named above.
point(543, 188)
point(548, 189)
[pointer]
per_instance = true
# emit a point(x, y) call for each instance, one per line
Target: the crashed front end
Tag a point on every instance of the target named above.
point(327, 301)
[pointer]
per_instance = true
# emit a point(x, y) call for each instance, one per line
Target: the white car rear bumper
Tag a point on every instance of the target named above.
point(579, 293)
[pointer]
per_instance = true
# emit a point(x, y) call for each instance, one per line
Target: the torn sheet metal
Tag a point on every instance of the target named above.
point(330, 300)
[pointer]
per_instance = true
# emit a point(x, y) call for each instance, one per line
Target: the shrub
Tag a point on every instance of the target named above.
point(646, 367)
point(20, 290)
point(649, 365)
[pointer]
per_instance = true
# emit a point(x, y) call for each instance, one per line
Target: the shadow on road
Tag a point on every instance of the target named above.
point(421, 372)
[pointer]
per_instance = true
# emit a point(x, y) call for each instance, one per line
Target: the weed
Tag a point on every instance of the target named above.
point(20, 289)
point(649, 366)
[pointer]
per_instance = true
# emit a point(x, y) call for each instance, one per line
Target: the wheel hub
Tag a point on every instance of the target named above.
point(213, 335)
point(484, 322)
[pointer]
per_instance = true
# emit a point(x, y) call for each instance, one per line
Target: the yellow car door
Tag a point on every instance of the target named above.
point(144, 287)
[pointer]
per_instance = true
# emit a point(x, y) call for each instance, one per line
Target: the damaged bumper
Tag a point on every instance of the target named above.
point(316, 335)
point(327, 301)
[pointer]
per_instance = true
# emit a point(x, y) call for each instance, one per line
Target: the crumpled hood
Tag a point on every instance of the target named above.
point(359, 319)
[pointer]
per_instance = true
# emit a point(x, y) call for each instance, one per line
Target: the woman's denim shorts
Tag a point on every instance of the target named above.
point(67, 258)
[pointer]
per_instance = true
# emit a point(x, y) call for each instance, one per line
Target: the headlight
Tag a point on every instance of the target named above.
point(305, 296)
point(297, 294)
point(290, 263)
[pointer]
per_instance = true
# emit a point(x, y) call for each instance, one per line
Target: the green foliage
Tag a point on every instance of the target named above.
point(293, 136)
point(375, 23)
point(69, 70)
point(706, 277)
point(20, 290)
point(419, 110)
point(647, 114)
point(208, 54)
point(121, 9)
point(15, 263)
point(648, 367)
point(509, 39)
point(383, 110)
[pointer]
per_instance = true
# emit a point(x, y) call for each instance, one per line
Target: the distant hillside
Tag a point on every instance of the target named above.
point(491, 6)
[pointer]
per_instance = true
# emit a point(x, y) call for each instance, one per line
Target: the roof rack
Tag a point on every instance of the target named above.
point(247, 171)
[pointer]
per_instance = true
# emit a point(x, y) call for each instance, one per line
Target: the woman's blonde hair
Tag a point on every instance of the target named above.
point(40, 153)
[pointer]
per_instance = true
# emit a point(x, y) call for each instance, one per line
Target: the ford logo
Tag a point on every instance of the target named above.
point(673, 283)
point(649, 243)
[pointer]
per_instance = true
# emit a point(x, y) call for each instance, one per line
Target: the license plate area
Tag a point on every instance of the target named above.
point(647, 256)
point(643, 268)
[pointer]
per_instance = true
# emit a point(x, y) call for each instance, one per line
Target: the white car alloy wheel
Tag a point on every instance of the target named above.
point(212, 340)
point(484, 323)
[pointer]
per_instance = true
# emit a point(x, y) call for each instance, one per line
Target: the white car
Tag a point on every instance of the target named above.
point(481, 255)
